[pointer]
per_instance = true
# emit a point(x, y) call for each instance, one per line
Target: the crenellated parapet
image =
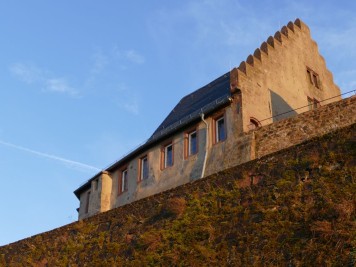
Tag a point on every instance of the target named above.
point(267, 48)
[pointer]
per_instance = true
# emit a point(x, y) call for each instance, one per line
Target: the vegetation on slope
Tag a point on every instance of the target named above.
point(293, 208)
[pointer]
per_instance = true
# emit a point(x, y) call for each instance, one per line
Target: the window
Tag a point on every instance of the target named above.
point(87, 202)
point(143, 168)
point(123, 181)
point(192, 143)
point(96, 184)
point(219, 129)
point(313, 103)
point(167, 156)
point(254, 124)
point(313, 77)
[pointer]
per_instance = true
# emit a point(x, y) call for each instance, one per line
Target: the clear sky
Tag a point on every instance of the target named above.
point(84, 82)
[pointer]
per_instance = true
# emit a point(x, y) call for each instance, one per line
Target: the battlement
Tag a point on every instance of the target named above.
point(274, 44)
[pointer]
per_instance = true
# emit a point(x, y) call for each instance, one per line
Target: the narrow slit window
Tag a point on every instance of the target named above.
point(313, 78)
point(123, 185)
point(310, 103)
point(87, 203)
point(316, 103)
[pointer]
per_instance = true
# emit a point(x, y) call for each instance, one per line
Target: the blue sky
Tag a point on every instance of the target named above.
point(84, 82)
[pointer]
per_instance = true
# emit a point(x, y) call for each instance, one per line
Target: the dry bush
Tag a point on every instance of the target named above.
point(176, 206)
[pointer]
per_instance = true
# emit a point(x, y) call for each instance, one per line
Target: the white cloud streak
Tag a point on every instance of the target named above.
point(129, 100)
point(33, 75)
point(100, 62)
point(134, 57)
point(71, 163)
point(27, 73)
point(129, 55)
point(60, 85)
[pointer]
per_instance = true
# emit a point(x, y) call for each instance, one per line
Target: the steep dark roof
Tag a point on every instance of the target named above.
point(200, 101)
point(189, 109)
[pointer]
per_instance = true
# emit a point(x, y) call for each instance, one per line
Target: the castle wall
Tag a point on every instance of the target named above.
point(279, 76)
point(292, 131)
point(225, 219)
point(238, 148)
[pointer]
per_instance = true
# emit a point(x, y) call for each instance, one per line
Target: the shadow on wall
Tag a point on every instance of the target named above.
point(279, 107)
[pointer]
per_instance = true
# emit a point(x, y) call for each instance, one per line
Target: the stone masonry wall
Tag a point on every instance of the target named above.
point(292, 131)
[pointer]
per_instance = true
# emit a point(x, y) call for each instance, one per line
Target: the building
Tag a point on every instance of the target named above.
point(206, 131)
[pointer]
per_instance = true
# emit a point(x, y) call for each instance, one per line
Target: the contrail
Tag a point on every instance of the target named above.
point(67, 161)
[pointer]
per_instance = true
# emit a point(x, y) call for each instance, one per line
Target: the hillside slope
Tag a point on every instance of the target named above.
point(295, 207)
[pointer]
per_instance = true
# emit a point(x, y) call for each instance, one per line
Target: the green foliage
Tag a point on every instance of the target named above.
point(301, 213)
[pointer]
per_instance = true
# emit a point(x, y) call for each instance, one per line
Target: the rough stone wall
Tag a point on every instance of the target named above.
point(293, 207)
point(292, 131)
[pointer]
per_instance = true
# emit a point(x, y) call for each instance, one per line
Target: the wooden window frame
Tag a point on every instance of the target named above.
point(187, 142)
point(215, 129)
point(140, 177)
point(164, 152)
point(121, 188)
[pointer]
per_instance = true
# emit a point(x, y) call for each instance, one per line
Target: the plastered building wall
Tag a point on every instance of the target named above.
point(97, 198)
point(184, 169)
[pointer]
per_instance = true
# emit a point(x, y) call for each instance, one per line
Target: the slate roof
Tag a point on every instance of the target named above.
point(191, 106)
point(204, 100)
